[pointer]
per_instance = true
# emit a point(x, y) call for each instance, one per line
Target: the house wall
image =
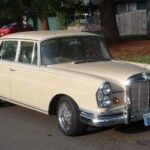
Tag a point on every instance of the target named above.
point(53, 23)
point(132, 22)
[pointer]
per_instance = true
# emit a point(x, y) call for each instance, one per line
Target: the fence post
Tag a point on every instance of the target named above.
point(148, 16)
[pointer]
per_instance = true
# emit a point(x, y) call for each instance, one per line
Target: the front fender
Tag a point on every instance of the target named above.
point(80, 87)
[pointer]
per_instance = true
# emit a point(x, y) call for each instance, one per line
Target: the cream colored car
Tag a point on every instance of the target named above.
point(72, 74)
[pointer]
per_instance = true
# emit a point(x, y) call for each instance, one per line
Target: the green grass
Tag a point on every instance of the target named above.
point(144, 59)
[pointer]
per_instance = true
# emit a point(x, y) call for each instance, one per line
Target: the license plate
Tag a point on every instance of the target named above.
point(146, 119)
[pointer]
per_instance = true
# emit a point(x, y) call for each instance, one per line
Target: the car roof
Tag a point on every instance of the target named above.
point(43, 35)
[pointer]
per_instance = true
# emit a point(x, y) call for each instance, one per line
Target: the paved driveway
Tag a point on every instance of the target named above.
point(24, 129)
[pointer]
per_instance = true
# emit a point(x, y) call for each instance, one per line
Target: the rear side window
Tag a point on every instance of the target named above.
point(28, 53)
point(8, 50)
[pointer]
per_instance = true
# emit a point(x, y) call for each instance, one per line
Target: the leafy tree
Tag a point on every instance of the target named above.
point(66, 12)
point(64, 8)
point(44, 8)
point(10, 11)
point(39, 8)
point(33, 8)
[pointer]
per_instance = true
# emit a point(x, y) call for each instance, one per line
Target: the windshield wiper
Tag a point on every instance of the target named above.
point(86, 60)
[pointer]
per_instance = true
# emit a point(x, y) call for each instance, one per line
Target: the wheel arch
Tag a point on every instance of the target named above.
point(54, 101)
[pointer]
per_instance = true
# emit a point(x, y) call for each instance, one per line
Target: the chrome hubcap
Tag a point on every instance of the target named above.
point(65, 116)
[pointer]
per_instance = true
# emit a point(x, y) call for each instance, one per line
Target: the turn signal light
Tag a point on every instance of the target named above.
point(116, 100)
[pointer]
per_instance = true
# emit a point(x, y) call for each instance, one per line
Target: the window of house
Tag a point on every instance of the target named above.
point(122, 8)
point(28, 53)
point(8, 50)
point(132, 6)
point(141, 5)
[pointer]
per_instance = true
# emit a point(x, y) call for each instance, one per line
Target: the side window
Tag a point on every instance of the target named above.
point(28, 53)
point(8, 50)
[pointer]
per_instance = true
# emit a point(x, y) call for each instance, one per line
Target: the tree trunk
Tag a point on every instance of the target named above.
point(108, 21)
point(44, 23)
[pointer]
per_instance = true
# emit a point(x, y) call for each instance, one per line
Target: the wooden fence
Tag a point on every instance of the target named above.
point(132, 22)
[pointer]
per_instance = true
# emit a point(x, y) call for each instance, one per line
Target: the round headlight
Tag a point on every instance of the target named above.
point(106, 89)
point(103, 95)
point(105, 102)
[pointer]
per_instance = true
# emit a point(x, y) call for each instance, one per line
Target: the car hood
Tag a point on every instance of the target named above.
point(112, 71)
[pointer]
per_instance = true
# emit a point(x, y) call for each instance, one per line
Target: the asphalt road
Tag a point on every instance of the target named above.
point(24, 129)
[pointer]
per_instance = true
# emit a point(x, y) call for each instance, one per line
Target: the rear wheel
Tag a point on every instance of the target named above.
point(68, 117)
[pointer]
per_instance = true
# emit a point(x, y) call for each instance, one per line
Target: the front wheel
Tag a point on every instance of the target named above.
point(68, 117)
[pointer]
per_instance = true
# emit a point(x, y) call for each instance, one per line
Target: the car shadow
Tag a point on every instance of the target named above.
point(5, 104)
point(93, 130)
point(137, 127)
point(133, 128)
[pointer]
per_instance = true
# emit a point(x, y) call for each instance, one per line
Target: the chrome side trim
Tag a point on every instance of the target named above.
point(23, 105)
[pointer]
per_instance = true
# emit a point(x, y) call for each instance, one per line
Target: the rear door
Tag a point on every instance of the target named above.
point(8, 51)
point(24, 77)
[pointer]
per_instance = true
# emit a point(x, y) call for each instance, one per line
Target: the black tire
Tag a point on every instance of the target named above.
point(68, 117)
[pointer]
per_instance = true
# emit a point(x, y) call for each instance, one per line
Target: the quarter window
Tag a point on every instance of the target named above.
point(8, 50)
point(122, 8)
point(28, 53)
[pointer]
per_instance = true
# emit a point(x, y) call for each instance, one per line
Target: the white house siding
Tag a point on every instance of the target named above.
point(132, 22)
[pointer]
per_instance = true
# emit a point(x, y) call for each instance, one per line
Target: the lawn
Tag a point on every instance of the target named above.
point(137, 51)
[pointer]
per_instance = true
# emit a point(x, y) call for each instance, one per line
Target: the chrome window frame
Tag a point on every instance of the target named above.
point(19, 51)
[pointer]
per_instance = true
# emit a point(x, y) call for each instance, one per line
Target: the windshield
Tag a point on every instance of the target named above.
point(73, 49)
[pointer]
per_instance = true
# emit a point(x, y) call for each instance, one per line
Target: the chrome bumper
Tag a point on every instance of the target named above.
point(108, 120)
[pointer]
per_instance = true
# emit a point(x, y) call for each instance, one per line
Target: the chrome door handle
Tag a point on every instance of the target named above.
point(12, 69)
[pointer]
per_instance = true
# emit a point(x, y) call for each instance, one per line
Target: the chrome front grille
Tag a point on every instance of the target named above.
point(140, 96)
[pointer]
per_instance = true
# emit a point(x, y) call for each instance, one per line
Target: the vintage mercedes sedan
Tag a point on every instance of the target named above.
point(72, 75)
